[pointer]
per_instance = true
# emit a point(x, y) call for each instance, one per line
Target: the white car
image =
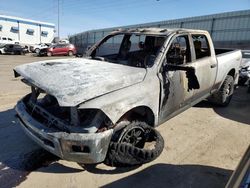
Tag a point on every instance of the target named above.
point(244, 77)
point(37, 47)
point(2, 51)
point(7, 40)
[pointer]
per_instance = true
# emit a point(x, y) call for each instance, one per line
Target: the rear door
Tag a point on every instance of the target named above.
point(57, 49)
point(17, 49)
point(9, 48)
point(205, 64)
point(65, 48)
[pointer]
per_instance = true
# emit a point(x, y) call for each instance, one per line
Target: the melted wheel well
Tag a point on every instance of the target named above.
point(140, 113)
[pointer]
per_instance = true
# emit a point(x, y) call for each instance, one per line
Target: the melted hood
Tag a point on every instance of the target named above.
point(73, 81)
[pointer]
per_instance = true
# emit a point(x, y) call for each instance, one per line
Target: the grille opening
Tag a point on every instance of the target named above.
point(80, 149)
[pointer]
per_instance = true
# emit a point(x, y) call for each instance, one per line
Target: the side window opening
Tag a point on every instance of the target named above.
point(179, 52)
point(110, 47)
point(201, 46)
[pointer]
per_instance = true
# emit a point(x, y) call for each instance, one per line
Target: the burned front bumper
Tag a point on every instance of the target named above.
point(78, 147)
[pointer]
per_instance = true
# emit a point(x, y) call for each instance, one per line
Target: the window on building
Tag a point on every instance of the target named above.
point(14, 29)
point(44, 33)
point(201, 46)
point(30, 31)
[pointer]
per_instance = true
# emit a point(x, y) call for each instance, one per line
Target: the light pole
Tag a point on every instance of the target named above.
point(58, 19)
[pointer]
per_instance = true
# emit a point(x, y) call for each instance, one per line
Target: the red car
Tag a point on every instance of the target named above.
point(59, 49)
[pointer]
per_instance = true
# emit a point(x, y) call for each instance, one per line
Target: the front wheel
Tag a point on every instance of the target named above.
point(37, 50)
point(49, 54)
point(136, 144)
point(224, 95)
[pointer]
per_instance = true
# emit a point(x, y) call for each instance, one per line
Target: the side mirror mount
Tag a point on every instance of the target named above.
point(149, 61)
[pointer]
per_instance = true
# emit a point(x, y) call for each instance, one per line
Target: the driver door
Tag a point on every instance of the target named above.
point(175, 94)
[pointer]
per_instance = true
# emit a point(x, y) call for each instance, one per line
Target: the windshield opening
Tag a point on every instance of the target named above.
point(129, 49)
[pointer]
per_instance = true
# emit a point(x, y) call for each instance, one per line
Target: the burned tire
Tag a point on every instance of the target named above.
point(224, 95)
point(124, 153)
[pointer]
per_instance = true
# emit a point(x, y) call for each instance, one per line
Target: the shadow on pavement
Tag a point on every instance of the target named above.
point(59, 169)
point(175, 176)
point(238, 109)
point(92, 168)
point(19, 155)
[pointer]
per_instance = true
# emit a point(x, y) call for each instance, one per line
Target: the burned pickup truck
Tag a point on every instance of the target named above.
point(104, 107)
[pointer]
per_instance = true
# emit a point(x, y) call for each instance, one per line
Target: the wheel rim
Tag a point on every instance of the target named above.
point(228, 90)
point(134, 136)
point(70, 53)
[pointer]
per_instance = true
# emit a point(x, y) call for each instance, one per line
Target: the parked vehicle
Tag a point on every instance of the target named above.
point(59, 49)
point(2, 49)
point(36, 48)
point(244, 78)
point(7, 40)
point(104, 107)
point(14, 49)
point(64, 41)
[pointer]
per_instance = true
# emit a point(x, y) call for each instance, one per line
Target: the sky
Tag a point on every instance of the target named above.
point(82, 15)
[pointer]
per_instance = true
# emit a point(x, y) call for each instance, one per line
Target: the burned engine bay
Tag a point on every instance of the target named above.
point(45, 109)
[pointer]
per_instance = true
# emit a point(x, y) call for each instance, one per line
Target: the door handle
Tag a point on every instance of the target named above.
point(213, 66)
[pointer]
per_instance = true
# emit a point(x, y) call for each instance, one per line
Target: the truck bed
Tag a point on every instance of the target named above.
point(219, 51)
point(228, 60)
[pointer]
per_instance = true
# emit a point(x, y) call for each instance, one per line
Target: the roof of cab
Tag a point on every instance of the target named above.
point(157, 31)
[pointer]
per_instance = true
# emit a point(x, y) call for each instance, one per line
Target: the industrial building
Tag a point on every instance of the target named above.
point(26, 31)
point(228, 30)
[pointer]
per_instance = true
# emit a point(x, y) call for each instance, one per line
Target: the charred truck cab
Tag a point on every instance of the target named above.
point(103, 107)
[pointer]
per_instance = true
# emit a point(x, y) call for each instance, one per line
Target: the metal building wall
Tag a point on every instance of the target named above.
point(21, 34)
point(228, 30)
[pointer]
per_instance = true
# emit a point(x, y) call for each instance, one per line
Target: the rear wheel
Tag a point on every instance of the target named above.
point(136, 144)
point(224, 95)
point(70, 53)
point(37, 50)
point(49, 54)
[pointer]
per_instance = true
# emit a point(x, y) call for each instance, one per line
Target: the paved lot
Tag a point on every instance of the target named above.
point(202, 146)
